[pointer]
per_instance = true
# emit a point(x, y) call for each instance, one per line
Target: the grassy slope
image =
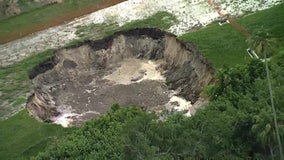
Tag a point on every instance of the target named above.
point(15, 84)
point(22, 136)
point(220, 45)
point(41, 15)
point(224, 46)
point(28, 5)
point(272, 20)
point(162, 20)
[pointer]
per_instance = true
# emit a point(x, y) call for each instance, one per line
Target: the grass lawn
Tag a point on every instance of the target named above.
point(41, 15)
point(22, 136)
point(27, 5)
point(224, 46)
point(271, 19)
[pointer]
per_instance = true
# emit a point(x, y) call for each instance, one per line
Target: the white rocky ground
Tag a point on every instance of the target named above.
point(190, 13)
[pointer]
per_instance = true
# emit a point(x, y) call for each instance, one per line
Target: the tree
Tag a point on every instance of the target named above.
point(263, 45)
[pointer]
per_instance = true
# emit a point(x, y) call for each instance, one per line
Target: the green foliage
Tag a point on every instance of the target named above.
point(253, 122)
point(262, 43)
point(97, 139)
point(239, 79)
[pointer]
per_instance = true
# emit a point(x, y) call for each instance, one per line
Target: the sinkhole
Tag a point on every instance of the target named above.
point(147, 68)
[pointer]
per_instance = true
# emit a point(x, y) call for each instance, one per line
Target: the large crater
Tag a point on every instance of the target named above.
point(147, 67)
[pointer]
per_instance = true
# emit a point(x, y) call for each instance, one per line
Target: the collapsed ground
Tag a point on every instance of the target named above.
point(147, 67)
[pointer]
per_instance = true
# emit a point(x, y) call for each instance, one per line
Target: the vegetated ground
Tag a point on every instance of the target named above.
point(12, 8)
point(15, 85)
point(215, 42)
point(224, 46)
point(51, 15)
point(22, 136)
point(162, 20)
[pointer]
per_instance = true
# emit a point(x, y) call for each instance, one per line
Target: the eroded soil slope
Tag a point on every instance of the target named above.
point(148, 68)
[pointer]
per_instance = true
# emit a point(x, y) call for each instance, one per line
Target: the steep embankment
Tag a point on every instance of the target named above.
point(144, 67)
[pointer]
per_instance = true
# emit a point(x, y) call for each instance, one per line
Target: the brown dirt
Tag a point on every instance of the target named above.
point(57, 21)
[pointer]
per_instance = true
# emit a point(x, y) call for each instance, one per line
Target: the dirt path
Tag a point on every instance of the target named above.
point(57, 21)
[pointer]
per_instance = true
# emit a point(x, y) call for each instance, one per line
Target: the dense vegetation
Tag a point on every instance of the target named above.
point(236, 124)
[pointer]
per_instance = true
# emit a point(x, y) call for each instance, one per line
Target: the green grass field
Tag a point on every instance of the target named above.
point(27, 5)
point(41, 15)
point(224, 46)
point(221, 45)
point(22, 136)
